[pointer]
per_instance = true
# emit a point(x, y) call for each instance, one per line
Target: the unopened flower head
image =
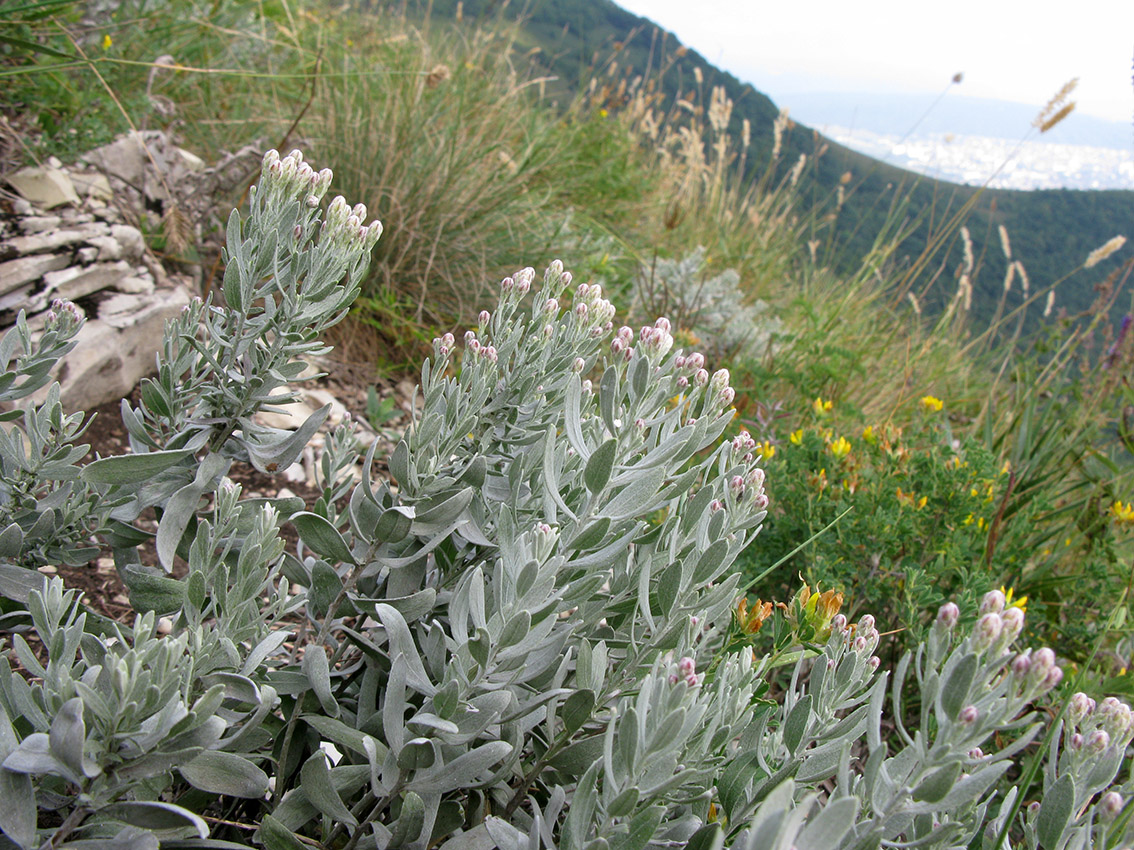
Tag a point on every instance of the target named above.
point(987, 631)
point(948, 614)
point(993, 601)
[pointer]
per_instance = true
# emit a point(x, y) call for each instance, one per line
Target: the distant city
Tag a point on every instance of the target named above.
point(972, 140)
point(999, 163)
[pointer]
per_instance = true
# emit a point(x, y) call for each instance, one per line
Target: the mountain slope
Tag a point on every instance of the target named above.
point(1052, 231)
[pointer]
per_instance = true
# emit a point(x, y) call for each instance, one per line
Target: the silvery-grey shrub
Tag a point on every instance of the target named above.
point(525, 639)
point(713, 308)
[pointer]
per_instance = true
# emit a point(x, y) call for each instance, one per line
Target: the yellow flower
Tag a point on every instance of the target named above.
point(603, 113)
point(1009, 602)
point(107, 41)
point(1006, 468)
point(932, 403)
point(1123, 511)
point(821, 407)
point(868, 435)
point(921, 502)
point(796, 437)
point(967, 520)
point(766, 450)
point(840, 447)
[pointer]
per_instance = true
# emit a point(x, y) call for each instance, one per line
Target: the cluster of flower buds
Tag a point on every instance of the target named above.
point(475, 346)
point(514, 288)
point(555, 278)
point(656, 341)
point(64, 318)
point(623, 343)
point(865, 638)
point(720, 388)
point(743, 445)
point(1094, 727)
point(686, 672)
point(344, 226)
point(290, 176)
point(443, 345)
point(593, 313)
point(998, 626)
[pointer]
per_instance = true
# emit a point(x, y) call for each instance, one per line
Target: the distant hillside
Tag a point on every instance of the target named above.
point(1052, 231)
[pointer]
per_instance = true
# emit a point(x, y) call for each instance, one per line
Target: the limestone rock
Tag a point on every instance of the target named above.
point(92, 185)
point(39, 223)
point(23, 270)
point(286, 417)
point(135, 285)
point(47, 187)
point(131, 239)
point(116, 350)
point(76, 282)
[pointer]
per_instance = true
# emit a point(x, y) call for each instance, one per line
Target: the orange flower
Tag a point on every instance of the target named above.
point(751, 621)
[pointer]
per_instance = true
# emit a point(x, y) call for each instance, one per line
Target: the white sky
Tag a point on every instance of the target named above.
point(1007, 49)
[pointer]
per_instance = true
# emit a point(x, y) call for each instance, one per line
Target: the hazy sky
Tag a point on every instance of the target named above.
point(1007, 49)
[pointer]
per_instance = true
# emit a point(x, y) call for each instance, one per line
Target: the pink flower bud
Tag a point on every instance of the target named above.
point(1021, 664)
point(1013, 622)
point(874, 662)
point(566, 279)
point(1080, 707)
point(716, 505)
point(976, 753)
point(839, 623)
point(617, 346)
point(626, 334)
point(682, 382)
point(662, 324)
point(992, 601)
point(866, 623)
point(1054, 677)
point(1111, 805)
point(969, 715)
point(507, 284)
point(948, 614)
point(679, 361)
point(695, 361)
point(674, 678)
point(701, 377)
point(470, 335)
point(728, 394)
point(578, 365)
point(640, 423)
point(1098, 740)
point(1076, 741)
point(484, 317)
point(687, 666)
point(581, 311)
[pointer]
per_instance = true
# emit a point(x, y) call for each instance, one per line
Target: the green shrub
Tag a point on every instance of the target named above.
point(532, 640)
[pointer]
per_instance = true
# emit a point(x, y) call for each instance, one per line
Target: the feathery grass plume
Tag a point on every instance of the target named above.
point(914, 303)
point(1049, 304)
point(1057, 117)
point(1103, 251)
point(968, 243)
point(1024, 281)
point(798, 168)
point(1005, 245)
point(1009, 276)
point(746, 133)
point(778, 127)
point(697, 75)
point(720, 109)
point(1056, 110)
point(965, 292)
